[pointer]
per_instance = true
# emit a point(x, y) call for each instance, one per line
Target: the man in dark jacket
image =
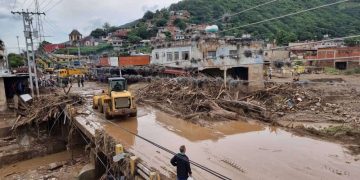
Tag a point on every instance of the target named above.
point(181, 161)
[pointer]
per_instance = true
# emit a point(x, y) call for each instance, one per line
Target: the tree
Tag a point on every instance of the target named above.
point(134, 39)
point(284, 37)
point(142, 32)
point(148, 15)
point(106, 26)
point(161, 23)
point(352, 42)
point(98, 33)
point(180, 23)
point(15, 60)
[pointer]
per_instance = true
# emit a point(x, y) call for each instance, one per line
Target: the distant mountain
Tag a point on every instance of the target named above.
point(130, 24)
point(338, 20)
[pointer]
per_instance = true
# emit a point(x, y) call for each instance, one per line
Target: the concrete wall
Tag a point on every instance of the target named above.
point(3, 104)
point(198, 56)
point(273, 55)
point(256, 76)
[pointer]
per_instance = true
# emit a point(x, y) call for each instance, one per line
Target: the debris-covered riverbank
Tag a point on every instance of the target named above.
point(292, 105)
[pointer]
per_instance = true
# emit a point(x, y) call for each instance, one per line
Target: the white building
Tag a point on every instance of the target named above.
point(241, 59)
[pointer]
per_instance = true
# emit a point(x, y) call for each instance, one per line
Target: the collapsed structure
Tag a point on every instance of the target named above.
point(239, 58)
point(3, 72)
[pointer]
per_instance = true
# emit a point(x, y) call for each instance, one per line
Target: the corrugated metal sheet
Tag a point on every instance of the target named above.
point(134, 60)
point(114, 62)
point(104, 61)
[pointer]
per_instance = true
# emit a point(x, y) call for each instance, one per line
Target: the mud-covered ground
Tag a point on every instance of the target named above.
point(63, 165)
point(321, 106)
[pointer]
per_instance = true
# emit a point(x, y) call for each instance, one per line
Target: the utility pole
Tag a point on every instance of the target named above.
point(79, 53)
point(38, 21)
point(28, 33)
point(17, 37)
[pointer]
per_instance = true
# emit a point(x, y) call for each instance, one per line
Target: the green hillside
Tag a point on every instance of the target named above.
point(338, 20)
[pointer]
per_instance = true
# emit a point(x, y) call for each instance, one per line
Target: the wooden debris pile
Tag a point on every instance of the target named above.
point(195, 98)
point(44, 108)
point(207, 99)
point(284, 97)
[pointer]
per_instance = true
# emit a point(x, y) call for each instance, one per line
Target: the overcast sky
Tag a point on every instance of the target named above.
point(62, 16)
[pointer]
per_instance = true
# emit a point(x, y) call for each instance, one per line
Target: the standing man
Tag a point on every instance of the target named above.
point(182, 163)
point(82, 80)
point(78, 80)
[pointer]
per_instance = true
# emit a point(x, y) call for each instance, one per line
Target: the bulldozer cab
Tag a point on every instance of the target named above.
point(117, 84)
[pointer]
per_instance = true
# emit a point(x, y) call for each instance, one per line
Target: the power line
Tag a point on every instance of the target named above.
point(218, 175)
point(316, 42)
point(24, 3)
point(13, 6)
point(47, 4)
point(249, 9)
point(30, 4)
point(54, 27)
point(54, 6)
point(43, 3)
point(287, 15)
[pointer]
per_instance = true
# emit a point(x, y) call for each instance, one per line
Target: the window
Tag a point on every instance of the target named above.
point(233, 54)
point(157, 56)
point(211, 54)
point(169, 56)
point(176, 56)
point(248, 53)
point(185, 55)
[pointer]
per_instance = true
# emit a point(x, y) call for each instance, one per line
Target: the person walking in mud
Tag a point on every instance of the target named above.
point(270, 72)
point(78, 80)
point(82, 81)
point(182, 163)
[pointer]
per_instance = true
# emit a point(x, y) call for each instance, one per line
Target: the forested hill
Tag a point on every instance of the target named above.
point(338, 20)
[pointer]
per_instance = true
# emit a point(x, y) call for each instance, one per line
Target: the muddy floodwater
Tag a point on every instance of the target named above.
point(238, 150)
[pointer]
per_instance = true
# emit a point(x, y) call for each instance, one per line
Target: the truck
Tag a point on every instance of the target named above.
point(117, 101)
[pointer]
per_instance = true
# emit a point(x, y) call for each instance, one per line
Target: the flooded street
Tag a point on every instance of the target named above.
point(238, 150)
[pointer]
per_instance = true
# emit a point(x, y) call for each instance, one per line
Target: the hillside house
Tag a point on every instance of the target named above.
point(308, 49)
point(182, 14)
point(90, 41)
point(120, 33)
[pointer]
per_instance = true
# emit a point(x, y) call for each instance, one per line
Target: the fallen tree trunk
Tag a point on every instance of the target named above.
point(217, 111)
point(246, 108)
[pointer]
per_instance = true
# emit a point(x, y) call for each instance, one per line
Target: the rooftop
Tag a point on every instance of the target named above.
point(75, 33)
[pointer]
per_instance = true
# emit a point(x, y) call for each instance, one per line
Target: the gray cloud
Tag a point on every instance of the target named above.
point(149, 8)
point(84, 15)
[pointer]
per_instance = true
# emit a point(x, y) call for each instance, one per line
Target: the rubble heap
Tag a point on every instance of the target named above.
point(197, 98)
point(206, 99)
point(44, 108)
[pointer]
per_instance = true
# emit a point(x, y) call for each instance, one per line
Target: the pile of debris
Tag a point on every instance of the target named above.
point(43, 108)
point(198, 99)
point(206, 99)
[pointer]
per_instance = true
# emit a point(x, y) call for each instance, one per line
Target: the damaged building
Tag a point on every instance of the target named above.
point(10, 84)
point(341, 58)
point(238, 58)
point(3, 72)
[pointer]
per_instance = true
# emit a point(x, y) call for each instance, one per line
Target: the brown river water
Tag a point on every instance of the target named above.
point(238, 150)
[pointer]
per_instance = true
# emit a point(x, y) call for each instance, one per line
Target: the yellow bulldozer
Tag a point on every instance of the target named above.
point(118, 101)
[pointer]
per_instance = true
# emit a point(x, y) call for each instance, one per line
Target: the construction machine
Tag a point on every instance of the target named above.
point(118, 101)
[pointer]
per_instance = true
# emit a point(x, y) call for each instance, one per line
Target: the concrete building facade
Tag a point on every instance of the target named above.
point(3, 72)
point(239, 58)
point(341, 58)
